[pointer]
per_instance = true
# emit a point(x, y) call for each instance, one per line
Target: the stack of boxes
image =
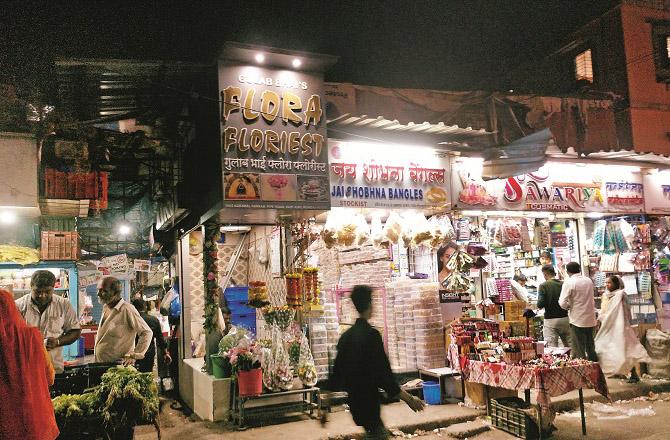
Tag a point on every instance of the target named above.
point(430, 350)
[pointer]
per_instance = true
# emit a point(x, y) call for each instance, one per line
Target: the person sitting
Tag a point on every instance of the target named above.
point(26, 412)
point(519, 290)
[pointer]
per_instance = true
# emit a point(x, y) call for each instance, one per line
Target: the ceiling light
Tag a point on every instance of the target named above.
point(7, 217)
point(260, 58)
point(124, 229)
point(296, 62)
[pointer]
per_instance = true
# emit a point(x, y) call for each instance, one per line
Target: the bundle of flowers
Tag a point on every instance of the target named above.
point(282, 316)
point(279, 374)
point(245, 356)
point(306, 368)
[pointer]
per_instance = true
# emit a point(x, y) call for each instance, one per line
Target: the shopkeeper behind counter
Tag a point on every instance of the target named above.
point(52, 314)
point(519, 290)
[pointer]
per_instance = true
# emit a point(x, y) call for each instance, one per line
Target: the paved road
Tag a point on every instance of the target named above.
point(602, 425)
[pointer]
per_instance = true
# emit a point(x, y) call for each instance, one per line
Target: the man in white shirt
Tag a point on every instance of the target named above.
point(52, 314)
point(577, 297)
point(120, 325)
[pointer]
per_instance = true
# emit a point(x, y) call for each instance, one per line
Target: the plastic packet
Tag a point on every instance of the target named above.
point(393, 228)
point(362, 229)
point(377, 230)
point(421, 230)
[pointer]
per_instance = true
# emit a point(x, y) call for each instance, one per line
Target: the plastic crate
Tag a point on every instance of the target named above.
point(60, 245)
point(237, 293)
point(240, 307)
point(507, 415)
point(247, 320)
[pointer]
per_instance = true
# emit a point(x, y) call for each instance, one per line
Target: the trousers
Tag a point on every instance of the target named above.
point(556, 328)
point(581, 343)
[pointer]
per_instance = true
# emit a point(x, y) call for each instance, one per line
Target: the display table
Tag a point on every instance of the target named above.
point(547, 382)
point(268, 404)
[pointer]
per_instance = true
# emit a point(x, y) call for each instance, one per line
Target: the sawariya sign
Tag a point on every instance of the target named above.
point(554, 187)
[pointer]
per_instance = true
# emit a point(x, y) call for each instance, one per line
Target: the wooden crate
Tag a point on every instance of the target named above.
point(64, 207)
point(60, 245)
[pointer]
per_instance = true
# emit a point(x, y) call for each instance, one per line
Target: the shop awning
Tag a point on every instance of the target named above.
point(371, 128)
point(522, 156)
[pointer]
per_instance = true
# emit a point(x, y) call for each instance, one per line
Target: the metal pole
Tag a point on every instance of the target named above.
point(581, 409)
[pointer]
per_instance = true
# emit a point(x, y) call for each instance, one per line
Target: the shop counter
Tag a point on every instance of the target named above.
point(547, 382)
point(209, 397)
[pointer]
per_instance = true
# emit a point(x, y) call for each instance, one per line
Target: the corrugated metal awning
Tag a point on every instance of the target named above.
point(382, 129)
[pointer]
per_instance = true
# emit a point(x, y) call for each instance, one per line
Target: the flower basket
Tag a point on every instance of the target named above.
point(250, 383)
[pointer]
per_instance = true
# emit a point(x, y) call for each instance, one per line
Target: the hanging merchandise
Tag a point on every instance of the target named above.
point(643, 232)
point(329, 233)
point(526, 243)
point(504, 288)
point(258, 294)
point(630, 284)
point(463, 229)
point(644, 281)
point(442, 231)
point(608, 262)
point(627, 234)
point(617, 237)
point(599, 229)
point(599, 280)
point(543, 235)
point(491, 287)
point(558, 235)
point(642, 260)
point(280, 376)
point(626, 262)
point(293, 289)
point(310, 276)
point(306, 368)
point(456, 283)
point(377, 230)
point(421, 230)
point(393, 228)
point(362, 229)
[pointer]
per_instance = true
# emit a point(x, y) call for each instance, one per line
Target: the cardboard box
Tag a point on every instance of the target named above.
point(60, 246)
point(476, 395)
point(514, 310)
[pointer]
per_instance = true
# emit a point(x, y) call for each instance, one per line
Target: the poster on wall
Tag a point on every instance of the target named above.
point(657, 192)
point(373, 175)
point(555, 187)
point(275, 253)
point(116, 263)
point(273, 137)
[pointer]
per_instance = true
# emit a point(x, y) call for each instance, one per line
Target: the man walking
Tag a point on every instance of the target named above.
point(362, 367)
point(556, 322)
point(52, 314)
point(146, 364)
point(119, 326)
point(577, 297)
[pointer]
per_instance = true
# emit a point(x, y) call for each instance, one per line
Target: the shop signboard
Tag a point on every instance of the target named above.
point(657, 192)
point(115, 264)
point(370, 175)
point(273, 137)
point(555, 187)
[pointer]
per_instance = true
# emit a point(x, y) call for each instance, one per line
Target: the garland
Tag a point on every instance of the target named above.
point(210, 258)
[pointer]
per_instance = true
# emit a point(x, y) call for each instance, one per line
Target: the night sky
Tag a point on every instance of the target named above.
point(420, 44)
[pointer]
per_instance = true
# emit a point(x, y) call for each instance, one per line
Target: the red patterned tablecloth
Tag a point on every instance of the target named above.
point(547, 382)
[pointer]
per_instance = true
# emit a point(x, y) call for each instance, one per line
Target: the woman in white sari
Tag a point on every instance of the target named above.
point(617, 345)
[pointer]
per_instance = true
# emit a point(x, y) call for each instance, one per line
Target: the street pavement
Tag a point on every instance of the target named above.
point(630, 420)
point(399, 417)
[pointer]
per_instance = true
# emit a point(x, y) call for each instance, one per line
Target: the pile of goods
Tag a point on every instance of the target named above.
point(293, 289)
point(516, 350)
point(258, 294)
point(412, 229)
point(124, 398)
point(18, 254)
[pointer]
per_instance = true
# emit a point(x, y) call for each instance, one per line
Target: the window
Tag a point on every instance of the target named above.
point(660, 34)
point(583, 66)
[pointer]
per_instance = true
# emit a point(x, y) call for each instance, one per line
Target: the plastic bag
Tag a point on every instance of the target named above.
point(421, 230)
point(393, 228)
point(306, 368)
point(329, 233)
point(377, 230)
point(362, 229)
